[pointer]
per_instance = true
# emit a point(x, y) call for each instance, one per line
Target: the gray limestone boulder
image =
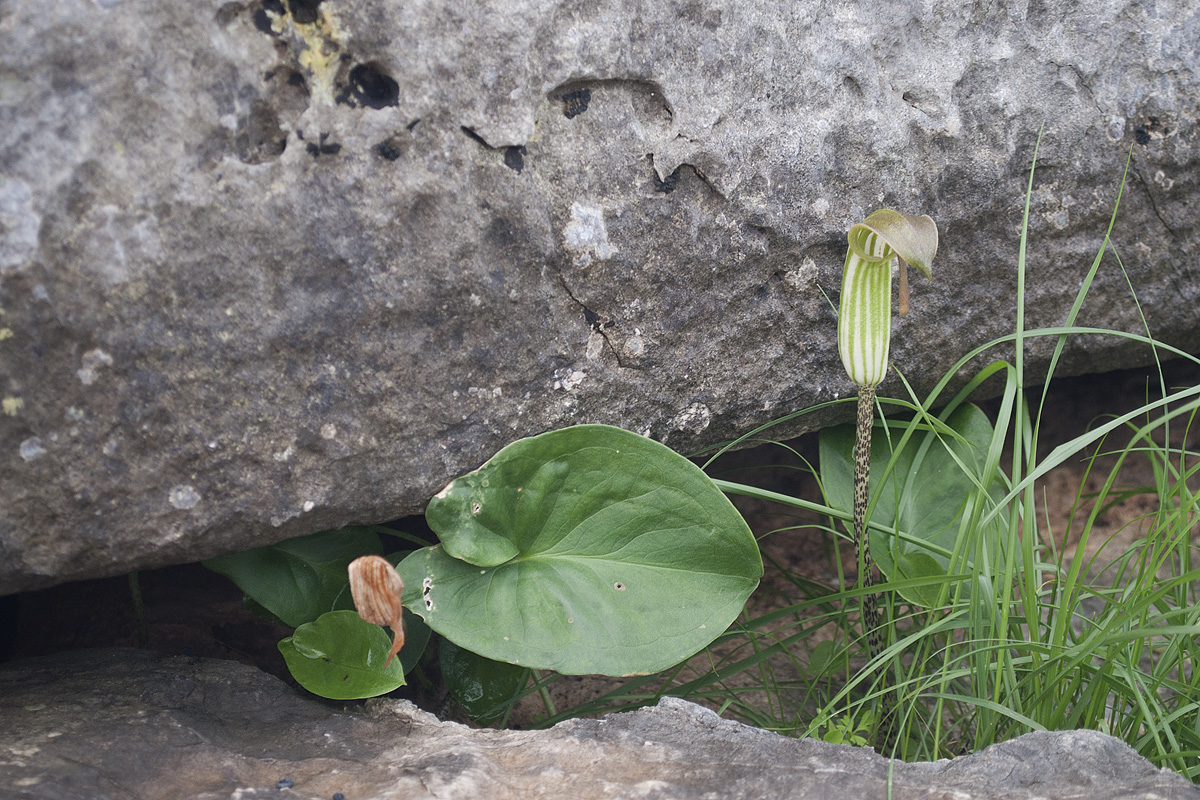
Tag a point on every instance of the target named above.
point(99, 724)
point(268, 268)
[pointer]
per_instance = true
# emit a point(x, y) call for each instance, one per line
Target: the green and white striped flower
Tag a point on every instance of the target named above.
point(864, 334)
point(865, 313)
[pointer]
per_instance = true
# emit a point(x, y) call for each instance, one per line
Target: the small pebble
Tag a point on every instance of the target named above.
point(284, 783)
point(339, 796)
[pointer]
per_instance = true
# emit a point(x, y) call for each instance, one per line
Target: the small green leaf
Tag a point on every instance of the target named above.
point(585, 550)
point(300, 579)
point(835, 736)
point(341, 657)
point(828, 658)
point(484, 688)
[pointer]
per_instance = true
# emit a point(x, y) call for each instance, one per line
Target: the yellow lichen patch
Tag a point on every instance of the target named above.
point(12, 405)
point(6, 333)
point(320, 48)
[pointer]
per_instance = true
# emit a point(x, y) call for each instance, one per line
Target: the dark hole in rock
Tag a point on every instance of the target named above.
point(390, 149)
point(475, 136)
point(263, 22)
point(304, 11)
point(595, 321)
point(274, 6)
point(1156, 125)
point(190, 610)
point(8, 626)
point(373, 88)
point(322, 147)
point(667, 184)
point(1142, 136)
point(514, 157)
point(576, 102)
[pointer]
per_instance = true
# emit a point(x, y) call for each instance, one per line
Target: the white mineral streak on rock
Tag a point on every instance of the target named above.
point(93, 361)
point(804, 276)
point(570, 380)
point(586, 235)
point(595, 345)
point(183, 497)
point(635, 345)
point(20, 225)
point(1116, 129)
point(32, 448)
point(694, 418)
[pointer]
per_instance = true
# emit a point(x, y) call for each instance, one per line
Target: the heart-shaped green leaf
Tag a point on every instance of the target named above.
point(300, 579)
point(341, 657)
point(924, 497)
point(585, 550)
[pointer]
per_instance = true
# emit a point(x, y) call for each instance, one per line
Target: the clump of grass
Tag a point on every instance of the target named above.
point(1042, 640)
point(1025, 635)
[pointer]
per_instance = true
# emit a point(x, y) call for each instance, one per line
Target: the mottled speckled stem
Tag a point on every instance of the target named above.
point(872, 610)
point(871, 613)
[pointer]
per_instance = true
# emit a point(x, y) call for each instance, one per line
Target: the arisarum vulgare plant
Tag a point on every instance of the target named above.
point(864, 336)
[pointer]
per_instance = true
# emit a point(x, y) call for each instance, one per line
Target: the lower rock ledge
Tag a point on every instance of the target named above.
point(122, 723)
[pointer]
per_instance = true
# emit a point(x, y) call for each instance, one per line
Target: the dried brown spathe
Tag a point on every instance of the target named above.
point(377, 590)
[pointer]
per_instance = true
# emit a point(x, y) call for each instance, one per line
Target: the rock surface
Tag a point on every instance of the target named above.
point(99, 724)
point(265, 273)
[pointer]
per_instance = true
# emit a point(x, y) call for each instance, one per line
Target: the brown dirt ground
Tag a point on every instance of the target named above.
point(194, 611)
